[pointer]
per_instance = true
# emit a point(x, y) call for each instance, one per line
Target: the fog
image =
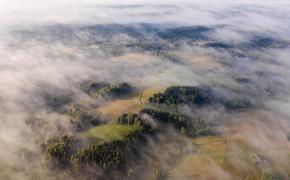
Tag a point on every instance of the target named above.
point(50, 47)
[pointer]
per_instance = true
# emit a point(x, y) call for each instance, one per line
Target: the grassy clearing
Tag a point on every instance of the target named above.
point(117, 107)
point(213, 146)
point(110, 132)
point(198, 167)
point(147, 93)
point(133, 104)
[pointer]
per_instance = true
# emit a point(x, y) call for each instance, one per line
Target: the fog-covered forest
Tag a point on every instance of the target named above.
point(144, 89)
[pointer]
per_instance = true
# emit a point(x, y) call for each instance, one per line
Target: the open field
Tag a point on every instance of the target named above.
point(110, 132)
point(133, 104)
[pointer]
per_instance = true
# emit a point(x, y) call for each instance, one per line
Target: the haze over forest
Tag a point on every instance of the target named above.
point(144, 89)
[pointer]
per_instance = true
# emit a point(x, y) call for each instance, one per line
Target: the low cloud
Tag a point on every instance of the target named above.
point(52, 47)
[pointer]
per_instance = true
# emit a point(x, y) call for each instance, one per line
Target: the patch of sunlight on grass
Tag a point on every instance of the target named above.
point(110, 132)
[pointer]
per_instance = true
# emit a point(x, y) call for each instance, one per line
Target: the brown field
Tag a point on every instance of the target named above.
point(199, 60)
point(204, 61)
point(133, 104)
point(136, 59)
point(246, 150)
